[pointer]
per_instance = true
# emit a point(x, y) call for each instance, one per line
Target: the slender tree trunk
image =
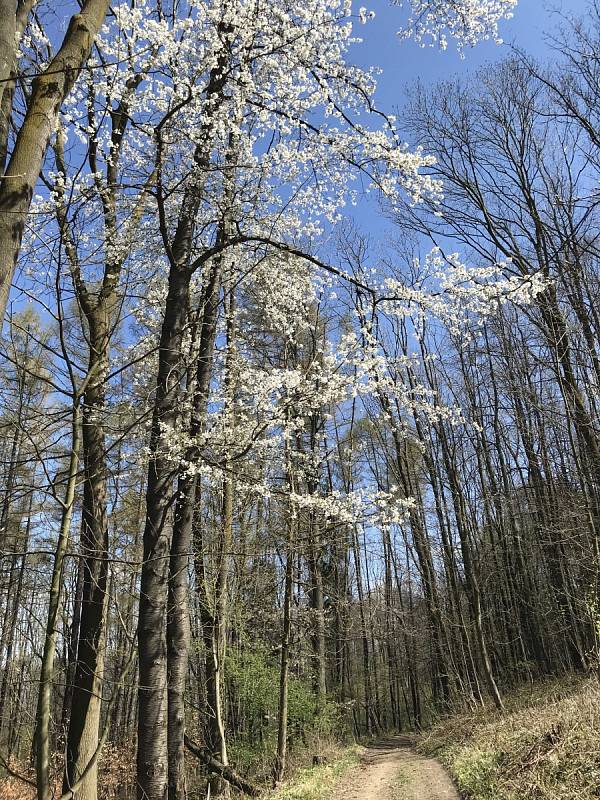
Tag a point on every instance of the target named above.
point(471, 579)
point(6, 632)
point(72, 650)
point(215, 731)
point(370, 716)
point(390, 633)
point(16, 601)
point(317, 609)
point(282, 725)
point(84, 722)
point(213, 611)
point(44, 704)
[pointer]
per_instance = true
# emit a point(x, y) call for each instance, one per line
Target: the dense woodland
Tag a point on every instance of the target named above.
point(269, 477)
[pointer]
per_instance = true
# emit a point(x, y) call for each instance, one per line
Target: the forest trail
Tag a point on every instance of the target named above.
point(391, 770)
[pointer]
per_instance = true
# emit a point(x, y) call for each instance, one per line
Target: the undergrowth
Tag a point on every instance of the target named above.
point(318, 782)
point(544, 746)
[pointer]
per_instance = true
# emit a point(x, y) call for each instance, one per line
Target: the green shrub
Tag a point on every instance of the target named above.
point(252, 680)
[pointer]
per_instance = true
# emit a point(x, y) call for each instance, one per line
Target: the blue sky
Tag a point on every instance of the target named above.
point(404, 61)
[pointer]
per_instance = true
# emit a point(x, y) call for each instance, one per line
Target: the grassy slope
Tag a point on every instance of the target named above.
point(318, 783)
point(545, 746)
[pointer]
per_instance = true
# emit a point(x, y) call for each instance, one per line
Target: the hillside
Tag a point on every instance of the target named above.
point(545, 746)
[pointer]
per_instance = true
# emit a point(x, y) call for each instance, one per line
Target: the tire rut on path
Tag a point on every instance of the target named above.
point(391, 770)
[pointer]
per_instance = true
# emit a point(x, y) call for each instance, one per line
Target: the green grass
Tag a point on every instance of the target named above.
point(545, 746)
point(317, 783)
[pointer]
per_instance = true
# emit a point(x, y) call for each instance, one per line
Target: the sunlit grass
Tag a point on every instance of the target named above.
point(545, 746)
point(318, 782)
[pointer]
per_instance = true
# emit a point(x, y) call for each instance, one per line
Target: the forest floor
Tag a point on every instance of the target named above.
point(544, 746)
point(390, 769)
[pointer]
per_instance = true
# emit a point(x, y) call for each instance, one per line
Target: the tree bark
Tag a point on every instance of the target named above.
point(152, 755)
point(84, 722)
point(178, 631)
point(282, 722)
point(48, 92)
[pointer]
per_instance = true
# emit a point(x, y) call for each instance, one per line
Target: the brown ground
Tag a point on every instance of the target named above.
point(391, 770)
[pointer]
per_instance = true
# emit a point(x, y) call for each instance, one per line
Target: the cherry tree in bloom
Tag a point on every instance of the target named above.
point(220, 151)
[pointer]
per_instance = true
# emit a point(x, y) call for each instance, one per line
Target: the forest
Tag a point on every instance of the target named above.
point(299, 397)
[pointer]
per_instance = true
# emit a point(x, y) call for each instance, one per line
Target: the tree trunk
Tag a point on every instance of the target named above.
point(42, 729)
point(152, 755)
point(280, 760)
point(16, 601)
point(84, 722)
point(178, 630)
point(48, 92)
point(72, 650)
point(471, 579)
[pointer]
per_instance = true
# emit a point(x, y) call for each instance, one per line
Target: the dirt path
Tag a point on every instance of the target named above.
point(391, 770)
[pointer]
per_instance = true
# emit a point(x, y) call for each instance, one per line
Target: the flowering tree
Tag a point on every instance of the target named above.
point(217, 141)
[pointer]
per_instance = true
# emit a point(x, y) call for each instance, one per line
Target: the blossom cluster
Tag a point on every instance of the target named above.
point(466, 21)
